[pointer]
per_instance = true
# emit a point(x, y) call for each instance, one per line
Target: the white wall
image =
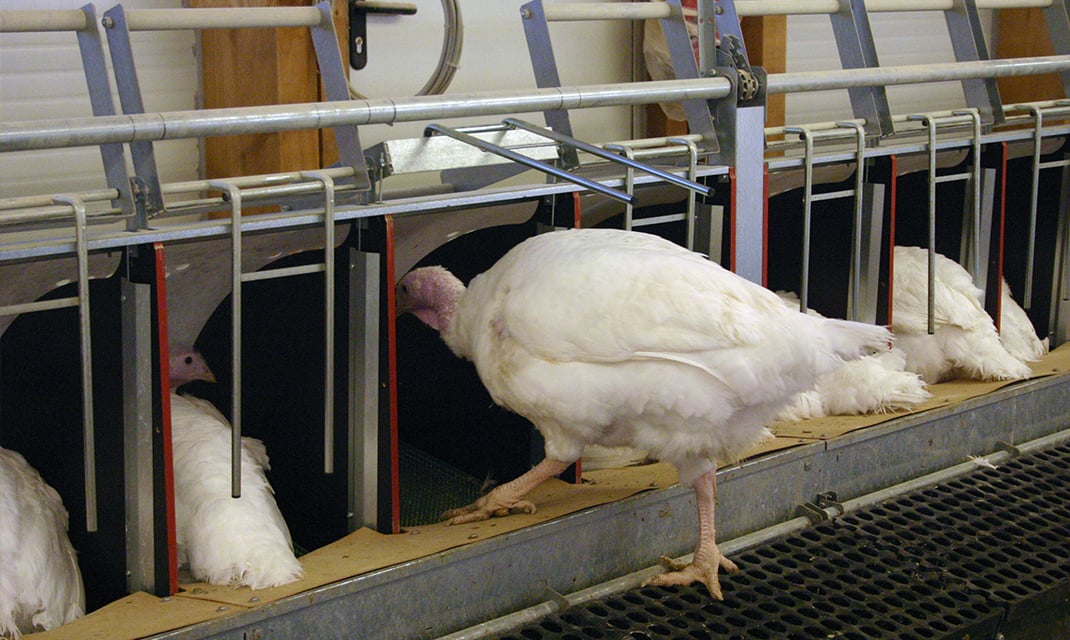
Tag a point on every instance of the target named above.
point(902, 39)
point(41, 77)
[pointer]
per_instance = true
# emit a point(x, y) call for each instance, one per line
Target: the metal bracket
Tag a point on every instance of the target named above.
point(824, 507)
point(1003, 445)
point(358, 25)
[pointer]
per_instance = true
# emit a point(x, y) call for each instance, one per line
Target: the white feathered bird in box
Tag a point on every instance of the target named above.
point(237, 541)
point(620, 338)
point(40, 583)
point(965, 343)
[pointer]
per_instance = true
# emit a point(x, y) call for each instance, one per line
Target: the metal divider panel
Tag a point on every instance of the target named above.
point(27, 283)
point(198, 273)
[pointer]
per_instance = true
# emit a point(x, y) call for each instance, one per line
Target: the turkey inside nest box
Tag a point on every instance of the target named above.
point(455, 441)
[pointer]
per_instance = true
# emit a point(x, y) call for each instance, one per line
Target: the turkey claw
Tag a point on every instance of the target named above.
point(683, 574)
point(489, 506)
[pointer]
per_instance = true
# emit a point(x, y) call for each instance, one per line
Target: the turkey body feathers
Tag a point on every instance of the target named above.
point(237, 541)
point(618, 338)
point(40, 583)
point(965, 343)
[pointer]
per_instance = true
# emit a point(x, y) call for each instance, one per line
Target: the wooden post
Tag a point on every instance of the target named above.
point(249, 67)
point(1024, 33)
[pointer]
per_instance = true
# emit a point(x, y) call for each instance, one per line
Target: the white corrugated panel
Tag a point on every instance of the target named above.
point(41, 77)
point(902, 38)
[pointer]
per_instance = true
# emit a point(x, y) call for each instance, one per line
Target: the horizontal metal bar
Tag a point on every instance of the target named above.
point(609, 155)
point(646, 222)
point(43, 305)
point(282, 272)
point(567, 12)
point(222, 18)
point(29, 20)
point(1054, 163)
point(953, 177)
point(74, 132)
point(914, 74)
point(804, 7)
point(832, 195)
point(26, 202)
point(570, 11)
point(533, 164)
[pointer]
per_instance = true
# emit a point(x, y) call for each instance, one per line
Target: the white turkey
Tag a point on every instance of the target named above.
point(227, 541)
point(874, 384)
point(620, 338)
point(1016, 330)
point(965, 343)
point(40, 584)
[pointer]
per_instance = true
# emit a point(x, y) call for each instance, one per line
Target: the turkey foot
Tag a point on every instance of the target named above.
point(494, 504)
point(683, 574)
point(707, 559)
point(507, 499)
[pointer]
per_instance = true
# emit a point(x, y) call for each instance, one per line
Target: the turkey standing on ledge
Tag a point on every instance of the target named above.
point(40, 584)
point(622, 338)
point(238, 541)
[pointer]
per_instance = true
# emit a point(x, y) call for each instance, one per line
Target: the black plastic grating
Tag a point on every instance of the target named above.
point(964, 559)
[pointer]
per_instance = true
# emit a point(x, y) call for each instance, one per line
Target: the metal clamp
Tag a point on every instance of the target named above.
point(825, 507)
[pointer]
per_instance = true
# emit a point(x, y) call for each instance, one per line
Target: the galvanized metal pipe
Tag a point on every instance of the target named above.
point(89, 449)
point(221, 18)
point(629, 183)
point(914, 74)
point(1030, 252)
point(692, 173)
point(930, 124)
point(74, 132)
point(531, 163)
point(566, 12)
point(233, 194)
point(856, 236)
point(599, 152)
point(30, 20)
point(975, 214)
point(328, 310)
point(808, 189)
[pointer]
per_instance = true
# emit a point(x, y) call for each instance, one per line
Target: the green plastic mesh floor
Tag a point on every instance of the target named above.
point(430, 486)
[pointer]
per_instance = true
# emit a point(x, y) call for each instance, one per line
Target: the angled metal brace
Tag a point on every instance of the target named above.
point(968, 42)
point(854, 41)
point(531, 163)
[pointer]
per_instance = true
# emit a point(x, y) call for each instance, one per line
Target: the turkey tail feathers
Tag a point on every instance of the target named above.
point(852, 340)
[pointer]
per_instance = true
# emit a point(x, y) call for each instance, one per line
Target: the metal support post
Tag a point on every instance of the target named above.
point(543, 63)
point(335, 77)
point(138, 434)
point(364, 407)
point(854, 41)
point(968, 42)
point(100, 99)
point(122, 60)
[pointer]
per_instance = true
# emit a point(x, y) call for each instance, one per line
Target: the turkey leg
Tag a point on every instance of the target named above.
point(506, 499)
point(708, 558)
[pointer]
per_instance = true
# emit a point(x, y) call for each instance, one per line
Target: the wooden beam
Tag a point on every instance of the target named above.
point(1024, 33)
point(249, 67)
